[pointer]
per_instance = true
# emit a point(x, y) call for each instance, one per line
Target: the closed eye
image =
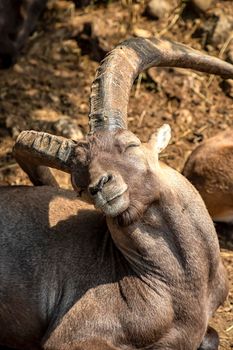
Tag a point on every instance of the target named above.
point(131, 145)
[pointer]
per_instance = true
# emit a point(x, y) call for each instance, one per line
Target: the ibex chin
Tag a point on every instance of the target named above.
point(143, 271)
point(210, 169)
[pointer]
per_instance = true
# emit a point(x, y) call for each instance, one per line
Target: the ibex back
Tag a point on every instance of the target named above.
point(143, 271)
point(210, 170)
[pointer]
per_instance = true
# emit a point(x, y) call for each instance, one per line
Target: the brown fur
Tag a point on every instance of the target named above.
point(210, 170)
point(148, 277)
point(143, 271)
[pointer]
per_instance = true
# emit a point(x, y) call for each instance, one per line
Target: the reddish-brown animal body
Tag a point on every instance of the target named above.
point(210, 169)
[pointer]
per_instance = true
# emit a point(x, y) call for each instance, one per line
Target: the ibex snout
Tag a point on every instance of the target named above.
point(98, 186)
point(108, 191)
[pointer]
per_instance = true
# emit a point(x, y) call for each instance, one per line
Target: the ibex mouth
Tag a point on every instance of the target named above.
point(117, 195)
point(113, 204)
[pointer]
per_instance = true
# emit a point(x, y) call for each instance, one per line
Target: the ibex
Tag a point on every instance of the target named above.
point(18, 19)
point(210, 169)
point(143, 271)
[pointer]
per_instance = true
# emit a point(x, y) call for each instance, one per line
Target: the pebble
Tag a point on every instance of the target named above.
point(222, 30)
point(68, 128)
point(158, 9)
point(184, 117)
point(18, 69)
point(142, 33)
point(227, 87)
point(202, 5)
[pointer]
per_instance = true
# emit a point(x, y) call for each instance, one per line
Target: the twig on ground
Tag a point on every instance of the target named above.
point(138, 85)
point(220, 55)
point(8, 166)
point(140, 121)
point(229, 328)
point(178, 11)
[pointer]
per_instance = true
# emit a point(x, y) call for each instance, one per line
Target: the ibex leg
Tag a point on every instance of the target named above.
point(210, 341)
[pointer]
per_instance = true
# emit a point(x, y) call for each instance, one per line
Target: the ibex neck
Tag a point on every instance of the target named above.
point(143, 244)
point(174, 237)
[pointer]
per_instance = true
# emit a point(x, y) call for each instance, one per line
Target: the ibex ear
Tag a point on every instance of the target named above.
point(161, 138)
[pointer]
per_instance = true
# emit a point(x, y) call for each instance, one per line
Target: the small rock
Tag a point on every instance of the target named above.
point(202, 5)
point(68, 128)
point(184, 117)
point(227, 87)
point(45, 114)
point(158, 9)
point(142, 33)
point(15, 124)
point(222, 30)
point(18, 69)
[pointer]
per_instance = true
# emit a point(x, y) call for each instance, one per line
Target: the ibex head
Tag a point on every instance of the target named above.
point(121, 175)
point(111, 168)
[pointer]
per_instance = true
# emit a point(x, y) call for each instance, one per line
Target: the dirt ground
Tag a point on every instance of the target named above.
point(49, 87)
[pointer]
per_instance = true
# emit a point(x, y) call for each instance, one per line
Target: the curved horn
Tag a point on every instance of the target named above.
point(117, 72)
point(34, 150)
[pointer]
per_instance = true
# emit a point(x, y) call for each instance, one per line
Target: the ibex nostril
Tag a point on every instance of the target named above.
point(109, 177)
point(106, 179)
point(93, 190)
point(99, 186)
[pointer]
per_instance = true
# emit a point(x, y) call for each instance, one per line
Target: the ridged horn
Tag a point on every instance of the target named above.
point(45, 149)
point(117, 72)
